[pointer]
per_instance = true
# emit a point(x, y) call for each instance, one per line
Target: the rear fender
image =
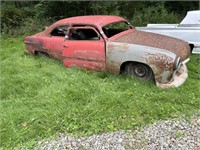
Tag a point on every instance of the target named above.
point(33, 44)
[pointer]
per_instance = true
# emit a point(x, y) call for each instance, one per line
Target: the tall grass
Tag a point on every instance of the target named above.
point(41, 98)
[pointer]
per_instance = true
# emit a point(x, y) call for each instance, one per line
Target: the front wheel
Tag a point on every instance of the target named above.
point(140, 71)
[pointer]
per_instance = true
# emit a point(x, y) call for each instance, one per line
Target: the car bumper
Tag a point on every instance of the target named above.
point(178, 78)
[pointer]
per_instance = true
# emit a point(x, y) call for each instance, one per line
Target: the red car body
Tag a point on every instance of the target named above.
point(92, 53)
point(86, 42)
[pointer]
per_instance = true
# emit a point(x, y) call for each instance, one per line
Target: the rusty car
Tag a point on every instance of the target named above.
point(111, 43)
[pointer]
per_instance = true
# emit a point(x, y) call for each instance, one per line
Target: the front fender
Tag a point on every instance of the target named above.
point(160, 61)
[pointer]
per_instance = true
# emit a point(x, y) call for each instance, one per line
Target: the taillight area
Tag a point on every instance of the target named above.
point(27, 40)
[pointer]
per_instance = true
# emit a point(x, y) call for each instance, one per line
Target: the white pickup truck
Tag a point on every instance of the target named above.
point(188, 30)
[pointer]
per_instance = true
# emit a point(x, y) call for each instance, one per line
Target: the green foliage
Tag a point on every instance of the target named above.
point(181, 7)
point(27, 17)
point(154, 14)
point(19, 18)
point(105, 8)
point(11, 17)
point(41, 98)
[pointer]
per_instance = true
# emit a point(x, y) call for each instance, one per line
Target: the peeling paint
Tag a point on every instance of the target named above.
point(179, 77)
point(163, 66)
point(74, 62)
point(88, 55)
point(122, 47)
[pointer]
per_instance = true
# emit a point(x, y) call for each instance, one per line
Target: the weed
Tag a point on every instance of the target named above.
point(179, 134)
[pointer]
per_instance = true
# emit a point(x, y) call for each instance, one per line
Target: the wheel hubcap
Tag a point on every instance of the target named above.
point(140, 71)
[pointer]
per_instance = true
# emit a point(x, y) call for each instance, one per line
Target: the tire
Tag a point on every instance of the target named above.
point(140, 71)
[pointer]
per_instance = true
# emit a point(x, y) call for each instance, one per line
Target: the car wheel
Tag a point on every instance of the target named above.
point(140, 71)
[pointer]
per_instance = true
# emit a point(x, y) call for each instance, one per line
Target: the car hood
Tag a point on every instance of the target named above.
point(177, 46)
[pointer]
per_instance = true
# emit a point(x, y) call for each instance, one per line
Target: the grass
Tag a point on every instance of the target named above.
point(41, 98)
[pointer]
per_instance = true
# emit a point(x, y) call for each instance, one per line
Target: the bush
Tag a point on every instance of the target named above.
point(11, 17)
point(153, 14)
point(28, 17)
point(21, 20)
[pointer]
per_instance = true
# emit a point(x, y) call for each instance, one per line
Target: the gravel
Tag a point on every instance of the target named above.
point(163, 135)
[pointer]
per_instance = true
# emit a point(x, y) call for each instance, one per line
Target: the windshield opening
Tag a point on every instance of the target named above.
point(115, 28)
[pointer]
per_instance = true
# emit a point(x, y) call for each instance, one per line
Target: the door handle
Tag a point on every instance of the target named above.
point(65, 45)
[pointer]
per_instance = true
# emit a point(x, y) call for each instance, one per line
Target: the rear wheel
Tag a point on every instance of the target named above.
point(140, 71)
point(39, 53)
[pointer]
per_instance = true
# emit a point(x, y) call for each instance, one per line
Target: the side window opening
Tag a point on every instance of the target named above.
point(59, 31)
point(83, 34)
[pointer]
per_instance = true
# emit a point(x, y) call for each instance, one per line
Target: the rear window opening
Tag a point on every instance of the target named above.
point(83, 34)
point(59, 31)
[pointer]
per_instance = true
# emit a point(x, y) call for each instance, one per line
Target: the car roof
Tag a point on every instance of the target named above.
point(98, 20)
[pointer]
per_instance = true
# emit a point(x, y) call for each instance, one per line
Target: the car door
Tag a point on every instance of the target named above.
point(84, 48)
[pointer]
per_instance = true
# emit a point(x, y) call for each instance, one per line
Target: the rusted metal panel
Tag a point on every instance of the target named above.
point(97, 20)
point(178, 78)
point(55, 54)
point(163, 66)
point(114, 56)
point(33, 44)
point(179, 47)
point(89, 55)
point(160, 61)
point(89, 65)
point(85, 53)
point(54, 46)
point(51, 46)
